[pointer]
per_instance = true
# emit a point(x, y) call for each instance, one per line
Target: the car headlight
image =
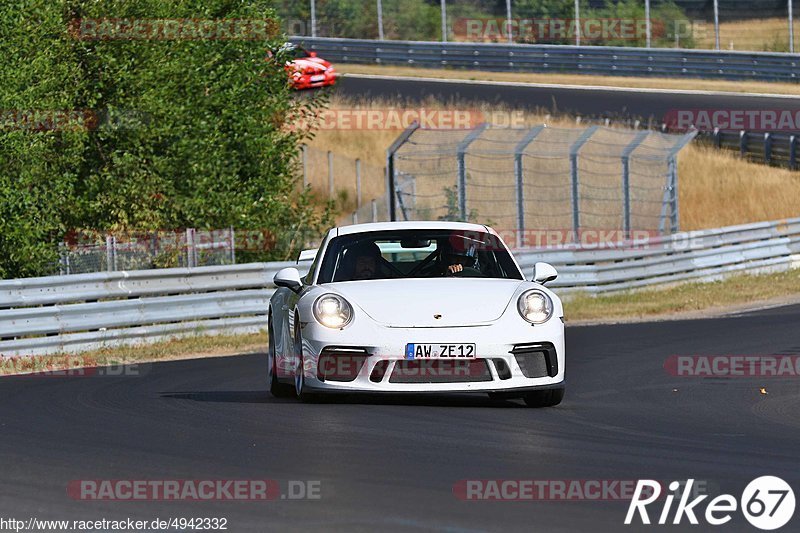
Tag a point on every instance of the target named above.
point(535, 306)
point(333, 311)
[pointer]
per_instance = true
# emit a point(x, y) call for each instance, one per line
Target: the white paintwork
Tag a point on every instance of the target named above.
point(389, 313)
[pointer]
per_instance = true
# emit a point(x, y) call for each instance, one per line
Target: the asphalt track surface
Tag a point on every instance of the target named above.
point(572, 100)
point(391, 463)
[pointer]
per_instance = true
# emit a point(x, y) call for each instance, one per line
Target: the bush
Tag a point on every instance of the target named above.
point(181, 133)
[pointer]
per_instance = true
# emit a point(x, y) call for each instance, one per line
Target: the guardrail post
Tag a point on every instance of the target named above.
point(461, 152)
point(518, 177)
point(792, 152)
point(390, 163)
point(743, 143)
point(768, 148)
point(573, 168)
point(626, 182)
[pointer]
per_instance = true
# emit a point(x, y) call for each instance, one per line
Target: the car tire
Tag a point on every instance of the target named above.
point(544, 398)
point(300, 390)
point(276, 388)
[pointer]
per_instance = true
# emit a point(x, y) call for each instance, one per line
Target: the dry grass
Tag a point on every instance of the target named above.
point(717, 188)
point(686, 298)
point(580, 79)
point(770, 35)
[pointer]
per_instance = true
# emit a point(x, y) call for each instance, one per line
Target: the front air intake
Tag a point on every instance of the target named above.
point(536, 360)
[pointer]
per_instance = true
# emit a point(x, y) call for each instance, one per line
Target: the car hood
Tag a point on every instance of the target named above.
point(416, 303)
point(310, 63)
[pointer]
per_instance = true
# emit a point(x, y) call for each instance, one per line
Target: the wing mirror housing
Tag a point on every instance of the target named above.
point(544, 272)
point(289, 278)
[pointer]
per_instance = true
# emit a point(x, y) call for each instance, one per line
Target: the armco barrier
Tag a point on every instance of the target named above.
point(606, 60)
point(87, 311)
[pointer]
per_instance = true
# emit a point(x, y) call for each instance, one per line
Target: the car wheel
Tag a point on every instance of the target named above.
point(276, 388)
point(545, 398)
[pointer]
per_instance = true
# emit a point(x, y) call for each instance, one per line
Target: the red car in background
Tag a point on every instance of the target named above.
point(306, 70)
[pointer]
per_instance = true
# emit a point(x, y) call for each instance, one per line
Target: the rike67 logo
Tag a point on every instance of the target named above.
point(767, 503)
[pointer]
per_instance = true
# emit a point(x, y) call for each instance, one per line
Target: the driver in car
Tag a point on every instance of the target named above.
point(461, 261)
point(365, 257)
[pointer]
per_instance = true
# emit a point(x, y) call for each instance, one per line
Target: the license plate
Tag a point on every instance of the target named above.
point(440, 351)
point(318, 77)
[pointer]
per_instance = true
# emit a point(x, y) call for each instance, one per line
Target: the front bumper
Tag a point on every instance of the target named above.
point(382, 366)
point(324, 79)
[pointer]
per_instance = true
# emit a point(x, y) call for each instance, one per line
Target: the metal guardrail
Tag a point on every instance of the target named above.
point(606, 60)
point(75, 313)
point(87, 311)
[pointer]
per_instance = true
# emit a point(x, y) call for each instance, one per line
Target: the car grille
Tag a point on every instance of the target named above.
point(340, 364)
point(440, 371)
point(536, 360)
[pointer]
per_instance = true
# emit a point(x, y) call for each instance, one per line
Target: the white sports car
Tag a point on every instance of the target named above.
point(425, 307)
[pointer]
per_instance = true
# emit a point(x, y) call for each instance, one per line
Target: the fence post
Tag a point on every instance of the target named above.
point(313, 18)
point(672, 184)
point(462, 168)
point(374, 210)
point(573, 167)
point(233, 245)
point(358, 184)
point(191, 258)
point(626, 181)
point(792, 152)
point(717, 138)
point(330, 175)
point(110, 253)
point(390, 192)
point(380, 20)
point(518, 178)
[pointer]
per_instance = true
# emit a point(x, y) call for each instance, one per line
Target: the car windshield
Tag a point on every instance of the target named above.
point(403, 254)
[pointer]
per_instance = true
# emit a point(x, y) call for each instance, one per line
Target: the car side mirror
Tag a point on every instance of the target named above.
point(289, 278)
point(544, 272)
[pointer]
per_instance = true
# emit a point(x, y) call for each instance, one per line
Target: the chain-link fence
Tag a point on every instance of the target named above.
point(573, 180)
point(86, 252)
point(356, 188)
point(753, 25)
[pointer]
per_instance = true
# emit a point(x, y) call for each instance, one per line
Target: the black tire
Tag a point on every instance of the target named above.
point(544, 398)
point(276, 388)
point(299, 390)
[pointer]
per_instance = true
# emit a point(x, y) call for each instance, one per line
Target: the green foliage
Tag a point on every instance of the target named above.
point(187, 133)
